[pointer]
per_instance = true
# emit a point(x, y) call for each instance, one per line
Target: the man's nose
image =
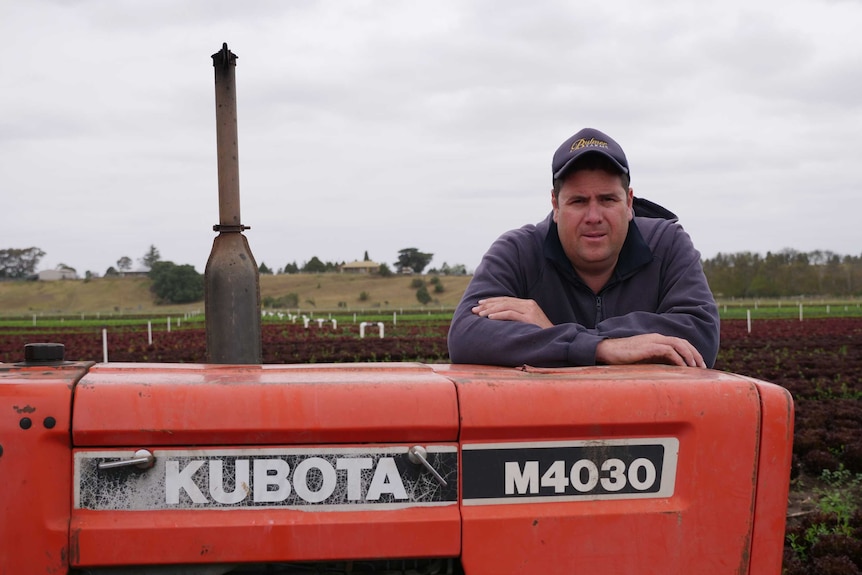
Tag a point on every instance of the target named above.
point(594, 212)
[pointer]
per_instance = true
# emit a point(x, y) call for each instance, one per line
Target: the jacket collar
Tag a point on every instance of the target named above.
point(634, 254)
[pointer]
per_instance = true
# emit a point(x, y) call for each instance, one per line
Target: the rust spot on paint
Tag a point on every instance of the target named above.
point(745, 560)
point(674, 512)
point(74, 548)
point(25, 409)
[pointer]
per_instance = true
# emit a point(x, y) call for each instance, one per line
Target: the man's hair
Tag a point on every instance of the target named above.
point(592, 162)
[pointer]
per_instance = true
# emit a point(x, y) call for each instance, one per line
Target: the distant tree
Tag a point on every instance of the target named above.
point(413, 259)
point(176, 284)
point(291, 268)
point(422, 295)
point(19, 263)
point(64, 267)
point(384, 271)
point(314, 265)
point(447, 270)
point(366, 258)
point(263, 269)
point(124, 264)
point(151, 257)
point(111, 271)
point(458, 270)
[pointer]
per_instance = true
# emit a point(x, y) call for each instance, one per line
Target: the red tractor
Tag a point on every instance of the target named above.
point(389, 468)
point(237, 467)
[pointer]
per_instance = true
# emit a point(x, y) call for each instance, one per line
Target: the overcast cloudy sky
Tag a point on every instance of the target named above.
point(381, 125)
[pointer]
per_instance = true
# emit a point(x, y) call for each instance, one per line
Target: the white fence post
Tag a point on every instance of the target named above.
point(364, 323)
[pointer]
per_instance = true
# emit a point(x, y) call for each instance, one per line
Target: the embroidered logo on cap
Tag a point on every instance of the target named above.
point(591, 143)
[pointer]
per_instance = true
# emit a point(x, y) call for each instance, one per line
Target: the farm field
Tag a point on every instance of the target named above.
point(123, 296)
point(819, 360)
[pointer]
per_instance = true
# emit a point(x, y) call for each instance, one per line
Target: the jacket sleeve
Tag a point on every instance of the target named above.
point(685, 307)
point(508, 267)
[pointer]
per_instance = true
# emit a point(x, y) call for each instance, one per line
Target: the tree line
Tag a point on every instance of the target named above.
point(408, 259)
point(787, 273)
point(172, 283)
point(21, 263)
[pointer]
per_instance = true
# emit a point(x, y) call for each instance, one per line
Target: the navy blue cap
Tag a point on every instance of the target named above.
point(587, 141)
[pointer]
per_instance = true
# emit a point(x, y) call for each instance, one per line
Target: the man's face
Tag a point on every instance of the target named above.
point(592, 212)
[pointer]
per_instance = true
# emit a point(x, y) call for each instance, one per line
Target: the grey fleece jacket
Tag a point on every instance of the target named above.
point(658, 286)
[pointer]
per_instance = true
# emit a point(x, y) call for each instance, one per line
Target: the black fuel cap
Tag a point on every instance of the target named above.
point(44, 352)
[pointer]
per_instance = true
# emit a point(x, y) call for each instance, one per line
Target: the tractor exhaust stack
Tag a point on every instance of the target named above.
point(231, 279)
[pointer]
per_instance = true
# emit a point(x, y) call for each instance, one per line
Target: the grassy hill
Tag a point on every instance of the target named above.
point(131, 295)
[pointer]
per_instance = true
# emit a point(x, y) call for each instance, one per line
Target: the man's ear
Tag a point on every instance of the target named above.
point(554, 204)
point(630, 201)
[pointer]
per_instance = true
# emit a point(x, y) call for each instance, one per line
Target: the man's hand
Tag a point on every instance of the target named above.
point(648, 348)
point(512, 309)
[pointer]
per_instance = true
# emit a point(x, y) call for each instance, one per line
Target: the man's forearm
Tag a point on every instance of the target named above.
point(481, 340)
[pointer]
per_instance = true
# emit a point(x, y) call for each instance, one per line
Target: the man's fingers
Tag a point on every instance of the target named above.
point(689, 354)
point(682, 353)
point(512, 309)
point(649, 348)
point(487, 307)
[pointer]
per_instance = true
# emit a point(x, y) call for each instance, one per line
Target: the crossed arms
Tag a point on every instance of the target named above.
point(643, 348)
point(520, 308)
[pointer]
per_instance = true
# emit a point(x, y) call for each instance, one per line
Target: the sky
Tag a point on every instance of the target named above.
point(374, 126)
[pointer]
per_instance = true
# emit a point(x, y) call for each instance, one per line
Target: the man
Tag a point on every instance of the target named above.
point(592, 283)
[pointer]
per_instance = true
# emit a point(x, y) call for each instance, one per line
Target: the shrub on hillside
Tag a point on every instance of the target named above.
point(176, 284)
point(285, 301)
point(422, 295)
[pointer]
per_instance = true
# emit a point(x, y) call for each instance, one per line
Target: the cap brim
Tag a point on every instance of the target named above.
point(573, 159)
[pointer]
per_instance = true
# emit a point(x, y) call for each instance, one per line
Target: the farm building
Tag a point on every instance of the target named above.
point(360, 267)
point(59, 274)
